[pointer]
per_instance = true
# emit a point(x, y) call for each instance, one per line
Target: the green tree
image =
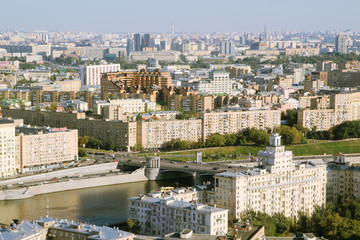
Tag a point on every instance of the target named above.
point(230, 139)
point(215, 140)
point(290, 116)
point(139, 118)
point(82, 153)
point(52, 107)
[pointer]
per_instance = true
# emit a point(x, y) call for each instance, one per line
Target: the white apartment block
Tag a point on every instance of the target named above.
point(7, 148)
point(277, 185)
point(128, 105)
point(91, 75)
point(233, 122)
point(219, 82)
point(160, 216)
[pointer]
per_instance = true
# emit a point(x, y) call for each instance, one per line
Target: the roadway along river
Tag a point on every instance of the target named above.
point(101, 206)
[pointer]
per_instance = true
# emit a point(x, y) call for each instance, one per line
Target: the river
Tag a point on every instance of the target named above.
point(101, 206)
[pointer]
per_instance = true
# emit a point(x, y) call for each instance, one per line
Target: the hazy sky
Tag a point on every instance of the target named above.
point(187, 15)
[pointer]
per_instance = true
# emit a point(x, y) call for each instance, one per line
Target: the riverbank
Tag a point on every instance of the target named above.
point(72, 184)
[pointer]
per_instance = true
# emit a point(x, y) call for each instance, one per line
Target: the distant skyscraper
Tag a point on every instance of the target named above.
point(340, 44)
point(172, 32)
point(130, 46)
point(138, 42)
point(146, 41)
point(227, 48)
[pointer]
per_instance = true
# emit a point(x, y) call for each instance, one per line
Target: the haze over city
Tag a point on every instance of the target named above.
point(188, 16)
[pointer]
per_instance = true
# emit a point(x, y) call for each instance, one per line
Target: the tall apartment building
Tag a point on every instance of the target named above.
point(91, 75)
point(326, 66)
point(218, 82)
point(155, 134)
point(193, 102)
point(233, 122)
point(158, 217)
point(7, 148)
point(138, 42)
point(340, 44)
point(276, 185)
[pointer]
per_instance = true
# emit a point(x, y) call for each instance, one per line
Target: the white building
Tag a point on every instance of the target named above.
point(7, 148)
point(129, 105)
point(277, 185)
point(160, 216)
point(75, 104)
point(219, 82)
point(91, 75)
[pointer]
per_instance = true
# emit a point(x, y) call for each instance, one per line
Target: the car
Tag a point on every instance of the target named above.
point(112, 155)
point(173, 162)
point(229, 166)
point(215, 168)
point(129, 160)
point(186, 166)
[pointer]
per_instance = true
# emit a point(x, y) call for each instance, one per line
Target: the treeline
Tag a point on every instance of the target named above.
point(249, 136)
point(348, 129)
point(339, 221)
point(91, 142)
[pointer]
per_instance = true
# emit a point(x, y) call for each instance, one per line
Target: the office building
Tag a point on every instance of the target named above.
point(344, 78)
point(130, 47)
point(277, 185)
point(91, 75)
point(138, 42)
point(160, 216)
point(340, 44)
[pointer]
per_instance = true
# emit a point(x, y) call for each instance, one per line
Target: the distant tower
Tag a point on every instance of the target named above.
point(172, 32)
point(340, 44)
point(138, 43)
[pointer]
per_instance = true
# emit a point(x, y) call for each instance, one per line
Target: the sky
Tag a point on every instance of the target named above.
point(187, 15)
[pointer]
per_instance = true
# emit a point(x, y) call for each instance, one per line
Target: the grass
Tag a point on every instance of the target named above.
point(232, 152)
point(96, 150)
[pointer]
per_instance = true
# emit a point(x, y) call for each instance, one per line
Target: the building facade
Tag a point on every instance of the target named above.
point(91, 75)
point(276, 185)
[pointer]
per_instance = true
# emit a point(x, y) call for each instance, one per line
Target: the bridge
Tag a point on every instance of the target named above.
point(156, 169)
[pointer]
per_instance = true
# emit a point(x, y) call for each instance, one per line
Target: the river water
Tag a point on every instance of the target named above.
point(101, 206)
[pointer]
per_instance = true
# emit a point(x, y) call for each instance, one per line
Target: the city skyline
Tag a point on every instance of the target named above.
point(198, 16)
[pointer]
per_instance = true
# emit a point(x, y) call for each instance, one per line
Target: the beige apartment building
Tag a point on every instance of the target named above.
point(277, 185)
point(233, 122)
point(324, 114)
point(155, 134)
point(42, 146)
point(302, 51)
point(197, 103)
point(342, 180)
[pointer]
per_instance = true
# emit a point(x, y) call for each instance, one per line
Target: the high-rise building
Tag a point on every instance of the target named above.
point(227, 48)
point(146, 41)
point(277, 185)
point(130, 46)
point(138, 42)
point(340, 44)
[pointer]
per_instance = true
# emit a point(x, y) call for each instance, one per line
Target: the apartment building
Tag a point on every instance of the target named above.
point(218, 82)
point(197, 103)
point(277, 185)
point(154, 134)
point(233, 122)
point(112, 83)
point(91, 75)
point(343, 78)
point(327, 111)
point(7, 148)
point(160, 216)
point(129, 105)
point(342, 180)
point(39, 147)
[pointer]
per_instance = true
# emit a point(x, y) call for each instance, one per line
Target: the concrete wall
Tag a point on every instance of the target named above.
point(93, 169)
point(22, 193)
